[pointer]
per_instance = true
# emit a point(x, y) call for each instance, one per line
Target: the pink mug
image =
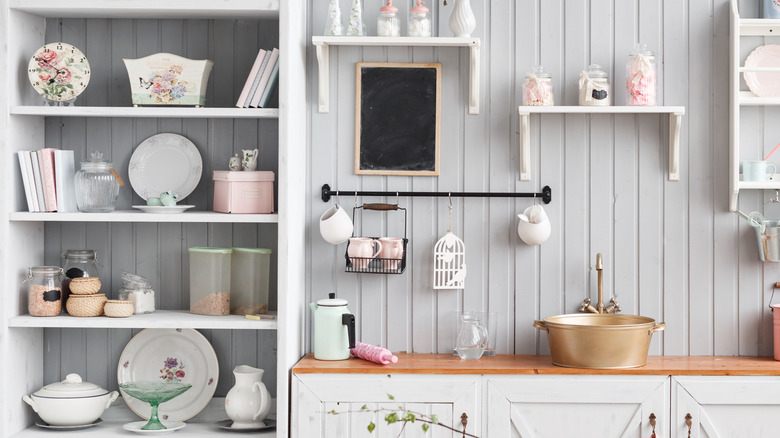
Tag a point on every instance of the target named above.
point(392, 252)
point(361, 251)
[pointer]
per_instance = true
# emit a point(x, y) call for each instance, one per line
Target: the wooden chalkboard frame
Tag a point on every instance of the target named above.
point(422, 158)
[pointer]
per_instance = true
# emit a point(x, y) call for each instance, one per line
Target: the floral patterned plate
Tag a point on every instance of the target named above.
point(171, 355)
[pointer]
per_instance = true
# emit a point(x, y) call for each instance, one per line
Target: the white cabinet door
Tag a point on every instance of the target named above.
point(576, 406)
point(726, 407)
point(329, 405)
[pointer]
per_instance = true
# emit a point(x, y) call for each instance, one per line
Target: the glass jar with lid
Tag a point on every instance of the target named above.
point(419, 22)
point(78, 263)
point(97, 186)
point(538, 88)
point(641, 80)
point(249, 280)
point(44, 291)
point(387, 24)
point(594, 87)
point(210, 280)
point(138, 290)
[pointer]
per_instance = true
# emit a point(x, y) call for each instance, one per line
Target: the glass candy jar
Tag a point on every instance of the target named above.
point(387, 23)
point(96, 185)
point(538, 88)
point(419, 22)
point(138, 290)
point(594, 87)
point(44, 291)
point(78, 263)
point(641, 77)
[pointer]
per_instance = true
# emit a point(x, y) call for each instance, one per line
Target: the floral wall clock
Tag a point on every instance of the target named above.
point(59, 72)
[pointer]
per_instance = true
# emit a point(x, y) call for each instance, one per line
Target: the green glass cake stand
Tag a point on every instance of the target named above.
point(154, 393)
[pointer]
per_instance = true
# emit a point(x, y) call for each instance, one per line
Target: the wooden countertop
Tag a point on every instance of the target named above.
point(530, 364)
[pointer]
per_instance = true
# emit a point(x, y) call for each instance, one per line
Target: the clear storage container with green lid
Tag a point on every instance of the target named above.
point(249, 280)
point(210, 280)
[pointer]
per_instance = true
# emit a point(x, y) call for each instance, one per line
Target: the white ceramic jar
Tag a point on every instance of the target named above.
point(70, 402)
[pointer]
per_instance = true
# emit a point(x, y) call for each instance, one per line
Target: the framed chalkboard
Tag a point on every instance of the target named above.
point(397, 118)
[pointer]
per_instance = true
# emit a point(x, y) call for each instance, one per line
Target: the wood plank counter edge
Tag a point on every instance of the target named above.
point(416, 363)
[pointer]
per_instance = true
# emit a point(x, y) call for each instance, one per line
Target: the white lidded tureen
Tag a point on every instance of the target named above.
point(70, 402)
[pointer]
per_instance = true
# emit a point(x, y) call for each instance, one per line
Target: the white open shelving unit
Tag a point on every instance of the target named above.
point(675, 120)
point(745, 27)
point(23, 23)
point(323, 43)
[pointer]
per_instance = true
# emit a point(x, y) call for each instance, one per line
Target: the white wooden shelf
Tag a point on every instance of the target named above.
point(223, 9)
point(141, 112)
point(759, 185)
point(759, 27)
point(139, 216)
point(156, 319)
point(323, 44)
point(114, 429)
point(747, 98)
point(675, 120)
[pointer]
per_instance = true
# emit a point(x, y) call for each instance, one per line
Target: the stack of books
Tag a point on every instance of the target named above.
point(49, 177)
point(261, 82)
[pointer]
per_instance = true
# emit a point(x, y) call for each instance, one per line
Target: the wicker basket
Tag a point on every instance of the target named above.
point(86, 305)
point(119, 308)
point(85, 285)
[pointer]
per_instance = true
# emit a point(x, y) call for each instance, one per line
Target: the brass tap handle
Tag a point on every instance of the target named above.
point(599, 263)
point(688, 422)
point(615, 303)
point(585, 304)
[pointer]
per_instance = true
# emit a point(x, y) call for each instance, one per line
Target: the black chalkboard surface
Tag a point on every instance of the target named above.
point(397, 118)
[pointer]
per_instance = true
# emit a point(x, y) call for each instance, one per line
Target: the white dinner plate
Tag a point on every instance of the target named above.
point(165, 162)
point(136, 426)
point(163, 208)
point(170, 355)
point(45, 425)
point(763, 83)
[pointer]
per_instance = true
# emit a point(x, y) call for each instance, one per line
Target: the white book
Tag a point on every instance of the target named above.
point(264, 80)
point(36, 167)
point(31, 179)
point(258, 77)
point(250, 80)
point(65, 174)
point(25, 181)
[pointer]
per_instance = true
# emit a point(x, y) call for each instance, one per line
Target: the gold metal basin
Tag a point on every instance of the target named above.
point(599, 341)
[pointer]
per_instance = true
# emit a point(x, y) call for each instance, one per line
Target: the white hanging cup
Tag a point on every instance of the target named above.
point(335, 225)
point(534, 226)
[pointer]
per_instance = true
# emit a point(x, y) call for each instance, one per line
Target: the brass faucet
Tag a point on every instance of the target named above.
point(612, 306)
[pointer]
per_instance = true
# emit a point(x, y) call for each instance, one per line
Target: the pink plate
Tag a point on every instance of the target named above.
point(764, 84)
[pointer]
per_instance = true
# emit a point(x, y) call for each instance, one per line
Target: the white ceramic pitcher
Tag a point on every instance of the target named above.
point(248, 402)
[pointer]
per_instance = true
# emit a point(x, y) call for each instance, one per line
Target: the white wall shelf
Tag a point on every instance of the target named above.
point(139, 216)
point(323, 44)
point(149, 8)
point(143, 112)
point(156, 319)
point(675, 120)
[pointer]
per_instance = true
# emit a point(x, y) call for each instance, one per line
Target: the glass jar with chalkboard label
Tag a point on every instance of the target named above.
point(538, 88)
point(594, 87)
point(419, 22)
point(387, 24)
point(44, 293)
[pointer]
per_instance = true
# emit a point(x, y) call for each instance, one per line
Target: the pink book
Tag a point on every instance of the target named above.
point(264, 79)
point(250, 79)
point(46, 158)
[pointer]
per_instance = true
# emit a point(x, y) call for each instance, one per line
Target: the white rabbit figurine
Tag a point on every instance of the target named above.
point(249, 162)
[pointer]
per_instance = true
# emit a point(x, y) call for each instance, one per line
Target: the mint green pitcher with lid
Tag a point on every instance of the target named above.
point(334, 328)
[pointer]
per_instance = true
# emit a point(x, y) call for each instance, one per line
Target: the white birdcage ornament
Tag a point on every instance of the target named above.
point(449, 260)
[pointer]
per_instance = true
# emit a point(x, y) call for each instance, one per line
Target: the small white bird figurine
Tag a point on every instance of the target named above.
point(458, 277)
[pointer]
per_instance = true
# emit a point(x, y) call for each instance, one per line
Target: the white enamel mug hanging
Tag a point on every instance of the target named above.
point(449, 260)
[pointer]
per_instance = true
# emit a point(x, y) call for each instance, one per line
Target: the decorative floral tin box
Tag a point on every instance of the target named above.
point(167, 79)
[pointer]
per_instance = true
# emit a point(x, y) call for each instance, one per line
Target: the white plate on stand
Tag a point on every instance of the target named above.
point(165, 162)
point(163, 208)
point(136, 426)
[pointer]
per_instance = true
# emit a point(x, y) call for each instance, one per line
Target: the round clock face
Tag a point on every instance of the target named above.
point(59, 71)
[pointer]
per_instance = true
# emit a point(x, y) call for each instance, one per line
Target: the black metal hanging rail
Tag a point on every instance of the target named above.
point(545, 194)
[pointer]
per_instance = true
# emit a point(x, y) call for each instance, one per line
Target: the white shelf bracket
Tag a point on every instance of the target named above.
point(474, 79)
point(675, 120)
point(323, 59)
point(525, 147)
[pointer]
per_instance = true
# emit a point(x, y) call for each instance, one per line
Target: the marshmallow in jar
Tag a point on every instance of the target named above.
point(419, 23)
point(538, 88)
point(387, 24)
point(641, 80)
point(594, 87)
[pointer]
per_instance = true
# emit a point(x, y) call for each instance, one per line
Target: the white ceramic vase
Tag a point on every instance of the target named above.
point(248, 402)
point(462, 20)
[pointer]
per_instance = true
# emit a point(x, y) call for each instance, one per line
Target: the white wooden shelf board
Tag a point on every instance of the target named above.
point(675, 120)
point(140, 112)
point(223, 9)
point(756, 185)
point(747, 98)
point(156, 319)
point(139, 216)
point(323, 44)
point(759, 27)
